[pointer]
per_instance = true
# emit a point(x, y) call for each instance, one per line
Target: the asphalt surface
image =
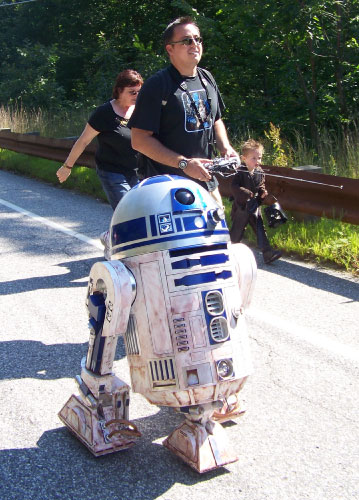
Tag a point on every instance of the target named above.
point(298, 438)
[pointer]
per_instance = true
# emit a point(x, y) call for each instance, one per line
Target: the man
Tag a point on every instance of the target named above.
point(177, 131)
point(177, 118)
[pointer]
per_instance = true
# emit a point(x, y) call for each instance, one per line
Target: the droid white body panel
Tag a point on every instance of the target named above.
point(186, 340)
point(178, 297)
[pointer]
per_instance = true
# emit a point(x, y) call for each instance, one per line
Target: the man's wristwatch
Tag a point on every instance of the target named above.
point(182, 164)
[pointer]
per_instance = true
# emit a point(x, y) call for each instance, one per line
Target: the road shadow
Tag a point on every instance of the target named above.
point(33, 359)
point(77, 270)
point(60, 467)
point(314, 278)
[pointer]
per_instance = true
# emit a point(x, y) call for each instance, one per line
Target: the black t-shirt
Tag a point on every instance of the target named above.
point(176, 124)
point(114, 152)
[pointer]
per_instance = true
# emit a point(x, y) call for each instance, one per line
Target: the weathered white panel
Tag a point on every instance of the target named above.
point(156, 308)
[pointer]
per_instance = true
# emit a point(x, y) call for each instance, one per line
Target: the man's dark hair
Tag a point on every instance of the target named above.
point(168, 32)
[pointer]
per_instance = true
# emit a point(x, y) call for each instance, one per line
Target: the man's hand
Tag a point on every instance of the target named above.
point(229, 152)
point(197, 170)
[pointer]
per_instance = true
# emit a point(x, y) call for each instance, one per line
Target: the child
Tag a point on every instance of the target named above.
point(248, 191)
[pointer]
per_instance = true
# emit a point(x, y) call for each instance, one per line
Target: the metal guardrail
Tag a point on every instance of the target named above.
point(296, 190)
point(312, 197)
point(45, 147)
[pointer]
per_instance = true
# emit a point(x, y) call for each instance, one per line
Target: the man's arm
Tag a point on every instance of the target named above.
point(144, 142)
point(222, 141)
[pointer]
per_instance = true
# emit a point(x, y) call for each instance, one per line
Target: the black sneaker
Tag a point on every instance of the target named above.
point(271, 255)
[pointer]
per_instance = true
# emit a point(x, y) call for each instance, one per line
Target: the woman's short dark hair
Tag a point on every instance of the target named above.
point(127, 78)
point(168, 32)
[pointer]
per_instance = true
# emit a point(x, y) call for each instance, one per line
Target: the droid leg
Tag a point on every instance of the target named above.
point(200, 441)
point(233, 407)
point(98, 416)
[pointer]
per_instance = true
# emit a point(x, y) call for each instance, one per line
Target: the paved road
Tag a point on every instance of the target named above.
point(298, 439)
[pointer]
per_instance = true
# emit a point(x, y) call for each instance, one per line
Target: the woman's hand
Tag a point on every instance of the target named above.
point(63, 173)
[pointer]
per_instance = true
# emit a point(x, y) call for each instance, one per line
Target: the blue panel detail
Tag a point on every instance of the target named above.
point(94, 326)
point(198, 279)
point(189, 223)
point(198, 234)
point(212, 260)
point(97, 343)
point(204, 260)
point(224, 223)
point(97, 354)
point(179, 226)
point(131, 230)
point(96, 307)
point(153, 225)
point(165, 223)
point(194, 249)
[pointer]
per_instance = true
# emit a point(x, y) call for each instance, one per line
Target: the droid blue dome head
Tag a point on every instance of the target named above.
point(166, 212)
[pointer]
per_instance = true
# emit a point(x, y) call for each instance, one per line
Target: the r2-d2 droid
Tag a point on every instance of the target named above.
point(176, 289)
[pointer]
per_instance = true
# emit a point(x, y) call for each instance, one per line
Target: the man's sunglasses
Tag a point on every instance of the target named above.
point(189, 41)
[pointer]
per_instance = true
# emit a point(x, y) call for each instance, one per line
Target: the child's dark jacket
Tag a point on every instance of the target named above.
point(245, 186)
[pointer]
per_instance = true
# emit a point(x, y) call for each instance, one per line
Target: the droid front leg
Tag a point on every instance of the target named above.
point(200, 441)
point(99, 415)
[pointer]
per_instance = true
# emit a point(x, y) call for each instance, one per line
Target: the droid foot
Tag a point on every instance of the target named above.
point(98, 430)
point(203, 447)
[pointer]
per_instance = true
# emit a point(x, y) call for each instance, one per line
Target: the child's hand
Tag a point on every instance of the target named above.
point(264, 194)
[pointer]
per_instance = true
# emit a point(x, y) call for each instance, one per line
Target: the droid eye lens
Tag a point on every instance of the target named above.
point(184, 196)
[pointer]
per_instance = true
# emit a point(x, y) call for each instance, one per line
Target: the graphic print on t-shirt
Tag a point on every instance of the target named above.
point(192, 122)
point(122, 122)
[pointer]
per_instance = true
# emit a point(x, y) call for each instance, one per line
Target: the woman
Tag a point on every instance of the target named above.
point(115, 158)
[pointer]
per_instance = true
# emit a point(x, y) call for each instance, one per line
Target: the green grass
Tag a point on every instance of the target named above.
point(82, 179)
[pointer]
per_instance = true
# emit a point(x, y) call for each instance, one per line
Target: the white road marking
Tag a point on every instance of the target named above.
point(54, 225)
point(305, 334)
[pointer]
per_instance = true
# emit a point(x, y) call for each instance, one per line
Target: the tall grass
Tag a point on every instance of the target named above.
point(337, 154)
point(337, 151)
point(48, 124)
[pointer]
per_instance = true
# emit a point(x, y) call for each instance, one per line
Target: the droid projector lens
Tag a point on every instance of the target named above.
point(225, 368)
point(184, 196)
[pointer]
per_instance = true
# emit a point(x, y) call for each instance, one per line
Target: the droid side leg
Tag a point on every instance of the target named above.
point(98, 416)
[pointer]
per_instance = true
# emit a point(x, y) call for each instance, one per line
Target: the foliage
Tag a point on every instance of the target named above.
point(279, 156)
point(291, 63)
